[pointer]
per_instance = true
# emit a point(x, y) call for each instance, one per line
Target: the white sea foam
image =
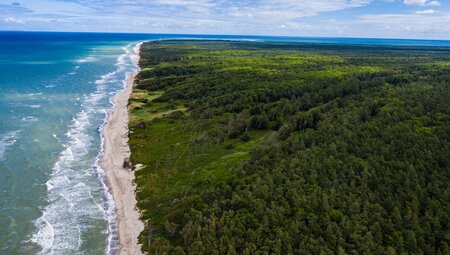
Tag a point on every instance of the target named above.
point(34, 94)
point(75, 176)
point(86, 59)
point(66, 190)
point(29, 118)
point(7, 139)
point(25, 105)
point(46, 233)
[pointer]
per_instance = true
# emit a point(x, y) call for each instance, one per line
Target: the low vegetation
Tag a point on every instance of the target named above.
point(289, 148)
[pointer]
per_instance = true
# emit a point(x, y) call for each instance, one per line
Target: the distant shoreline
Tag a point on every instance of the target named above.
point(412, 42)
point(120, 179)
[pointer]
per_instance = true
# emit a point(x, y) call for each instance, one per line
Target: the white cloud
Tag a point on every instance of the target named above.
point(13, 20)
point(415, 2)
point(421, 2)
point(224, 8)
point(191, 16)
point(288, 9)
point(430, 11)
point(263, 17)
point(434, 3)
point(410, 25)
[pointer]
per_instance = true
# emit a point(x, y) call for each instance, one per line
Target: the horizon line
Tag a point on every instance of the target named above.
point(240, 35)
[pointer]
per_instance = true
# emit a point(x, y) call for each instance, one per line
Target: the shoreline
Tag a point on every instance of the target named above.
point(119, 179)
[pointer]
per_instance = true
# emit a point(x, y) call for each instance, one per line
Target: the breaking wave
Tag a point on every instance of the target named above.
point(73, 187)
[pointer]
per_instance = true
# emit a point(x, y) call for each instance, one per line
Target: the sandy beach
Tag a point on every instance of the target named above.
point(121, 180)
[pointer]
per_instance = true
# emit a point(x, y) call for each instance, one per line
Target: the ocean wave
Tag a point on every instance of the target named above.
point(38, 62)
point(35, 94)
point(121, 65)
point(59, 228)
point(29, 119)
point(25, 105)
point(71, 185)
point(86, 59)
point(7, 139)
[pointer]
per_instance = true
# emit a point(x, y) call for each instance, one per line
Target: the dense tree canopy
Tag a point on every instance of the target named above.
point(290, 148)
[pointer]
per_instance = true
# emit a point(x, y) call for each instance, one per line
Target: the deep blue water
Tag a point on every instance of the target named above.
point(55, 92)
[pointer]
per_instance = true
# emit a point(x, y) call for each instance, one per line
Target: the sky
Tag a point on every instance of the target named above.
point(415, 19)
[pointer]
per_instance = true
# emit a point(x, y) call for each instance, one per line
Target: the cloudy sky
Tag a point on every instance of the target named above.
point(425, 19)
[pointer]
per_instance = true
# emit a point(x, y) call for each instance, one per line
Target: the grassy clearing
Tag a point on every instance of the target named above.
point(176, 158)
point(175, 153)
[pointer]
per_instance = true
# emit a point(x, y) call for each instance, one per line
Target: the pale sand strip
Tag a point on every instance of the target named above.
point(121, 180)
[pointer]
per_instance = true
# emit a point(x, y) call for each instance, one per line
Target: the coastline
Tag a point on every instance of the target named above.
point(120, 179)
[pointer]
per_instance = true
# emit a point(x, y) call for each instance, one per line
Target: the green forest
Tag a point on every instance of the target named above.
point(292, 148)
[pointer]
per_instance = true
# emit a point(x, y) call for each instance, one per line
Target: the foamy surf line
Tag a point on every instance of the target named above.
point(60, 228)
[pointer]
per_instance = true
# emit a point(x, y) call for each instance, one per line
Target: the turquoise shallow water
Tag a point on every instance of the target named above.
point(55, 92)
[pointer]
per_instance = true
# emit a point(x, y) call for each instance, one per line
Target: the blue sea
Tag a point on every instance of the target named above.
point(56, 90)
